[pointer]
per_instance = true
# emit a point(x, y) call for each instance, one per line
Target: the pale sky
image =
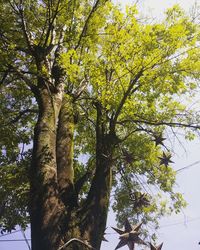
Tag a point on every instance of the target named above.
point(178, 232)
point(156, 8)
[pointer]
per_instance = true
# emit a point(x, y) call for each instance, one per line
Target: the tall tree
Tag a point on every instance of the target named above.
point(81, 78)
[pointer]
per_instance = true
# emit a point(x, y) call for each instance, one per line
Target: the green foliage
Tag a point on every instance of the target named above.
point(162, 56)
point(14, 194)
point(137, 71)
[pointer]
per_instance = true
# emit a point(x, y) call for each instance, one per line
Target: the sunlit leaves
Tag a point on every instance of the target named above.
point(136, 71)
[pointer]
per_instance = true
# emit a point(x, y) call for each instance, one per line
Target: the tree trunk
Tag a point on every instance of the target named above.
point(96, 209)
point(55, 215)
point(97, 203)
point(64, 151)
point(45, 208)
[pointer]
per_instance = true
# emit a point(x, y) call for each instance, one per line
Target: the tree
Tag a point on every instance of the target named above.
point(87, 79)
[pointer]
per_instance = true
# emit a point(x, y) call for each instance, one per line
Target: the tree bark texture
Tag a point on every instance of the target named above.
point(45, 207)
point(56, 216)
point(97, 203)
point(64, 151)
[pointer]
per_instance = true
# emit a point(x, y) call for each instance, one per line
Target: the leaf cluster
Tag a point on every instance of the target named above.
point(136, 71)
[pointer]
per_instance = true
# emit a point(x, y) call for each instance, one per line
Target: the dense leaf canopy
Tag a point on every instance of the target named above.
point(138, 72)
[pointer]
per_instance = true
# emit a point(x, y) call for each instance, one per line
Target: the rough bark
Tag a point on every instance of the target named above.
point(45, 208)
point(88, 222)
point(97, 203)
point(55, 215)
point(64, 151)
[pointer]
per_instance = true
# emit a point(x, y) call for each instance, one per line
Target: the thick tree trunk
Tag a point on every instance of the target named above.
point(55, 215)
point(65, 172)
point(97, 203)
point(64, 151)
point(96, 209)
point(45, 208)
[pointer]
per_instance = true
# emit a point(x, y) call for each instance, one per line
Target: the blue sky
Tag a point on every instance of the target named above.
point(178, 232)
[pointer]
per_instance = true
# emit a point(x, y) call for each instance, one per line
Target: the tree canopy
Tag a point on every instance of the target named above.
point(89, 80)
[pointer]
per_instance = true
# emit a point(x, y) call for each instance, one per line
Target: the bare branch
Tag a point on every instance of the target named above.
point(21, 75)
point(84, 30)
point(21, 113)
point(24, 27)
point(25, 238)
point(160, 123)
point(84, 243)
point(50, 27)
point(82, 87)
point(82, 180)
point(5, 74)
point(131, 133)
point(129, 91)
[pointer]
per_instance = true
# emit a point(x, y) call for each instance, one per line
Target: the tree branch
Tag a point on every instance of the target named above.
point(80, 90)
point(160, 123)
point(21, 75)
point(81, 181)
point(50, 27)
point(24, 26)
point(21, 113)
point(84, 30)
point(84, 243)
point(129, 91)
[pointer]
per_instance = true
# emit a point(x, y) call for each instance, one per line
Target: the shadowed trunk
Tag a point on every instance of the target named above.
point(65, 173)
point(98, 200)
point(45, 208)
point(55, 214)
point(88, 222)
point(64, 151)
point(97, 203)
point(35, 58)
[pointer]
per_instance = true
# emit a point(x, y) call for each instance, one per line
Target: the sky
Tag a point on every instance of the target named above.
point(178, 232)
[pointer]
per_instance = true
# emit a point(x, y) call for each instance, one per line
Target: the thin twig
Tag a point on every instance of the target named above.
point(84, 243)
point(26, 240)
point(160, 123)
